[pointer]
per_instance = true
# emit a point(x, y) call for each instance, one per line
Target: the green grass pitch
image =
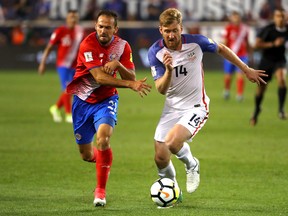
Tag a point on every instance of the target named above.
point(244, 170)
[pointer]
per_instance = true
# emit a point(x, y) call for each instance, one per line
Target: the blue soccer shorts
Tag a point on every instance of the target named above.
point(65, 76)
point(87, 117)
point(230, 68)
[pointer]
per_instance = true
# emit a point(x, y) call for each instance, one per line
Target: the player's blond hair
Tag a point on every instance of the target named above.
point(170, 15)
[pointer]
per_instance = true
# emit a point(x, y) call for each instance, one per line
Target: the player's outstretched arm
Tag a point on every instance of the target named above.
point(42, 65)
point(103, 78)
point(251, 74)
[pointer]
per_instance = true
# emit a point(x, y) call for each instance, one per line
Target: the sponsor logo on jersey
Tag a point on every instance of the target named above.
point(88, 56)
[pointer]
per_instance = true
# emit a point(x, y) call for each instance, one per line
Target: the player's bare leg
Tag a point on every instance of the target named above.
point(175, 142)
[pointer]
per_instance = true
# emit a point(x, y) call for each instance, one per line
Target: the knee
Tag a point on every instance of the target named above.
point(173, 145)
point(161, 160)
point(282, 83)
point(103, 142)
point(86, 155)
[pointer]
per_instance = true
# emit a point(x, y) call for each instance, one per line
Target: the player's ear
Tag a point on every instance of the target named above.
point(96, 26)
point(116, 30)
point(160, 30)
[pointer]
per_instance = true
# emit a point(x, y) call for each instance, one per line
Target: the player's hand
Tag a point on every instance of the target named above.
point(279, 41)
point(256, 75)
point(167, 61)
point(110, 67)
point(41, 69)
point(141, 87)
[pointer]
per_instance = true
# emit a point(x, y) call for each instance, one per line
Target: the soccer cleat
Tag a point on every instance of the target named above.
point(56, 114)
point(254, 118)
point(68, 118)
point(99, 202)
point(193, 177)
point(239, 98)
point(226, 94)
point(282, 115)
point(99, 199)
point(180, 198)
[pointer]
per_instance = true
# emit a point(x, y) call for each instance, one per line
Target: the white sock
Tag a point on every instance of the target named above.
point(168, 172)
point(185, 155)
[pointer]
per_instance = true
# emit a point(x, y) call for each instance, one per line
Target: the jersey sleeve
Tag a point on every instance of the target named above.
point(55, 37)
point(206, 44)
point(127, 58)
point(157, 68)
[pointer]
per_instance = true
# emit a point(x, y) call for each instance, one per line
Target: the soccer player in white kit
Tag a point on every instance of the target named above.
point(176, 66)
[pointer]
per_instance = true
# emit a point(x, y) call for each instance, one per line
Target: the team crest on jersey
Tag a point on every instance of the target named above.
point(112, 56)
point(78, 136)
point(191, 56)
point(88, 56)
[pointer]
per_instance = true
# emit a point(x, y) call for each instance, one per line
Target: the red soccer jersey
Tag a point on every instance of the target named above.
point(92, 54)
point(236, 37)
point(68, 41)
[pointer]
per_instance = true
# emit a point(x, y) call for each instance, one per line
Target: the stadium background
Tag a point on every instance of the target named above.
point(26, 25)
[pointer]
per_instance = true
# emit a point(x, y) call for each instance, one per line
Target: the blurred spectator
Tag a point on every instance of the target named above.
point(18, 36)
point(91, 11)
point(154, 8)
point(23, 9)
point(42, 8)
point(265, 13)
point(8, 10)
point(2, 18)
point(170, 4)
point(118, 6)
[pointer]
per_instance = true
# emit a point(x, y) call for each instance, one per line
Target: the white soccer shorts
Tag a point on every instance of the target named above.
point(192, 119)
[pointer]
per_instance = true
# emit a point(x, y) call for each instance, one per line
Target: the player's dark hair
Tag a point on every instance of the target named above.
point(279, 9)
point(72, 11)
point(108, 13)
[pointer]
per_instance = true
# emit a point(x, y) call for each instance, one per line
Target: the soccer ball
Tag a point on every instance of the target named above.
point(164, 192)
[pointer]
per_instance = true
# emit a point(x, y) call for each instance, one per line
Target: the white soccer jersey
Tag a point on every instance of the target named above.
point(187, 85)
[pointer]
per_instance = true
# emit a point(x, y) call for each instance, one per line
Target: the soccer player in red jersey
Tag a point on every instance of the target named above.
point(236, 38)
point(101, 56)
point(68, 39)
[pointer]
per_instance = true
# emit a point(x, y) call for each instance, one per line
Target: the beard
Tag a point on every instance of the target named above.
point(103, 39)
point(172, 44)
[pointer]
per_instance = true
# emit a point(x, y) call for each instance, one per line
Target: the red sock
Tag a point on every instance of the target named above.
point(227, 83)
point(104, 162)
point(67, 102)
point(60, 101)
point(93, 160)
point(240, 86)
